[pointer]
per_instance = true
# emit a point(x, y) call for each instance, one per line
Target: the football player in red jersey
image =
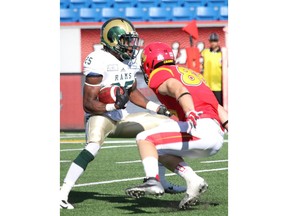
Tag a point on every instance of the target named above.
point(198, 133)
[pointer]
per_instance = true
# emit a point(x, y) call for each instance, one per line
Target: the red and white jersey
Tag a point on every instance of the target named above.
point(203, 98)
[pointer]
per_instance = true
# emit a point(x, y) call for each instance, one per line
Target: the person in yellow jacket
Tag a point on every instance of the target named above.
point(212, 66)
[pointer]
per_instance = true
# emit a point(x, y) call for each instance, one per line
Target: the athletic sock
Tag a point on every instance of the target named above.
point(186, 172)
point(77, 168)
point(162, 171)
point(72, 176)
point(150, 165)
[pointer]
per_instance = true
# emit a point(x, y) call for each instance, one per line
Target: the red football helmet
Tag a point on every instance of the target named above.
point(155, 55)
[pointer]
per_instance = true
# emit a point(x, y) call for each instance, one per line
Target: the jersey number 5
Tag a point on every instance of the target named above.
point(88, 60)
point(189, 77)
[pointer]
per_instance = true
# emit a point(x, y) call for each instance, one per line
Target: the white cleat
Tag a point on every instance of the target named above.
point(193, 193)
point(64, 204)
point(173, 189)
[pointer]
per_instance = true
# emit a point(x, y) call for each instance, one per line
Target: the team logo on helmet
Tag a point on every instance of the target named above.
point(118, 35)
point(143, 57)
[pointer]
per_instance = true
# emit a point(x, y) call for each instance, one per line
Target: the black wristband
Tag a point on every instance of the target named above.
point(224, 124)
point(185, 93)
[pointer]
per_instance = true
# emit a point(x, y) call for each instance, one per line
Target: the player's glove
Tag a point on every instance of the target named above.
point(164, 111)
point(121, 99)
point(192, 117)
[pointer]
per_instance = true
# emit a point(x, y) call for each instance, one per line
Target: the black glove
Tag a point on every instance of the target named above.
point(164, 111)
point(121, 99)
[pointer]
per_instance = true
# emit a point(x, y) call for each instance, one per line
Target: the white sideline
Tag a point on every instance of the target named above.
point(215, 161)
point(104, 147)
point(139, 178)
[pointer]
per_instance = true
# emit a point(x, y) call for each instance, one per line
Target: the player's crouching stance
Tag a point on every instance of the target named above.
point(114, 65)
point(199, 133)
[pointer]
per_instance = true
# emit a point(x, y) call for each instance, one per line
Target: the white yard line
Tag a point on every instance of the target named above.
point(65, 161)
point(128, 162)
point(109, 142)
point(104, 147)
point(140, 178)
point(72, 134)
point(67, 150)
point(139, 161)
point(119, 146)
point(120, 141)
point(215, 161)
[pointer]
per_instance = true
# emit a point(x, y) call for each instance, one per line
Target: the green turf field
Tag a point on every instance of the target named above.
point(108, 198)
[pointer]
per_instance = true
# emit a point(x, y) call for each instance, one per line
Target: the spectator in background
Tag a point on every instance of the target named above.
point(212, 66)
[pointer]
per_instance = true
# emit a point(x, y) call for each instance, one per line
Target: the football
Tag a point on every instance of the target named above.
point(107, 95)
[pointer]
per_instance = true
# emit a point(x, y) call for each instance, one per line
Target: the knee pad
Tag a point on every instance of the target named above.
point(83, 159)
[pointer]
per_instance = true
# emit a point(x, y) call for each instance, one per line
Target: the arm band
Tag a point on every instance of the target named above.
point(185, 93)
point(110, 107)
point(152, 106)
point(224, 124)
point(96, 85)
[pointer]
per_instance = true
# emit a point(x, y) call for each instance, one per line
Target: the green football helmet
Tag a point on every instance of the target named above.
point(118, 35)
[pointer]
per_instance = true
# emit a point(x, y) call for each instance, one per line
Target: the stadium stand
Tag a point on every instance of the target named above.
point(64, 3)
point(206, 13)
point(101, 3)
point(108, 13)
point(90, 15)
point(79, 3)
point(143, 10)
point(194, 3)
point(124, 3)
point(69, 15)
point(223, 13)
point(183, 13)
point(211, 3)
point(159, 14)
point(136, 14)
point(148, 3)
point(171, 3)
